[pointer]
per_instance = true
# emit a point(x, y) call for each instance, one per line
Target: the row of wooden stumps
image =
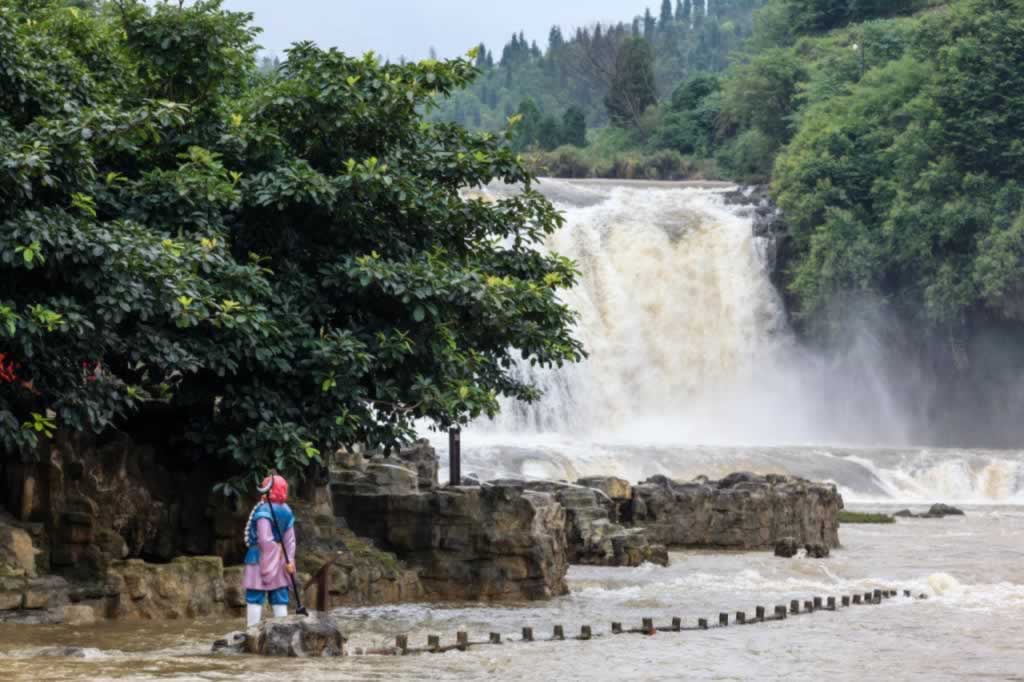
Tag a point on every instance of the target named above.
point(647, 626)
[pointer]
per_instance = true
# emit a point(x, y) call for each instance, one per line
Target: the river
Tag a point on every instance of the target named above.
point(692, 370)
point(972, 569)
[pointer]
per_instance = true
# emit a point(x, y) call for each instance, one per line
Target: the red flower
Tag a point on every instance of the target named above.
point(7, 367)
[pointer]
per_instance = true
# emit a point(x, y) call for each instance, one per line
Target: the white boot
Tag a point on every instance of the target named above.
point(280, 610)
point(253, 613)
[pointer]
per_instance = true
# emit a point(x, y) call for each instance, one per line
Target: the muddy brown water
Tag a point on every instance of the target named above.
point(971, 627)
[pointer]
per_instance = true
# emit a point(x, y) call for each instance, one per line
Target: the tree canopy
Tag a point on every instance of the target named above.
point(288, 261)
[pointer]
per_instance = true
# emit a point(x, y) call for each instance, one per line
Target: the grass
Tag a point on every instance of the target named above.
point(862, 517)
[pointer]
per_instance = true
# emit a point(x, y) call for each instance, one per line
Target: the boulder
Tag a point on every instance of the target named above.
point(786, 547)
point(17, 550)
point(232, 643)
point(936, 511)
point(742, 511)
point(315, 636)
point(489, 543)
point(941, 510)
point(816, 551)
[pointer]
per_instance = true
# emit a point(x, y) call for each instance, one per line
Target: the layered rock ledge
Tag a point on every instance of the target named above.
point(741, 511)
point(495, 543)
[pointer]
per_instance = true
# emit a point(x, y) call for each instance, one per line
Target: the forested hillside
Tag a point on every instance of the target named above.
point(577, 70)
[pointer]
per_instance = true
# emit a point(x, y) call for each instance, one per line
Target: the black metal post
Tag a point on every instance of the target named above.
point(454, 456)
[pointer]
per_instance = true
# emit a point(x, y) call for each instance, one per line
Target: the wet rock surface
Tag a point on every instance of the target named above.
point(786, 548)
point(936, 511)
point(593, 533)
point(487, 543)
point(314, 636)
point(741, 511)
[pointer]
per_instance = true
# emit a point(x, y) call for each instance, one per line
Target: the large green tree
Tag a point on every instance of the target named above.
point(287, 262)
point(632, 86)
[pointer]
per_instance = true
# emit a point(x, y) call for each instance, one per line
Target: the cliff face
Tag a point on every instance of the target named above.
point(497, 543)
point(113, 529)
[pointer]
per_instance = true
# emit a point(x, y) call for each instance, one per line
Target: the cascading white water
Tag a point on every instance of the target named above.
point(675, 309)
point(692, 368)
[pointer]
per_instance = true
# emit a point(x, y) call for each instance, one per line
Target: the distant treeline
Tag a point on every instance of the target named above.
point(580, 70)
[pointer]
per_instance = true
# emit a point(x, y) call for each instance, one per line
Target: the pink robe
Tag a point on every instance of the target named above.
point(269, 573)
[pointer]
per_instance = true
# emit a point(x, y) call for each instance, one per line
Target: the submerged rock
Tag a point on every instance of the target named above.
point(936, 511)
point(786, 548)
point(816, 551)
point(233, 643)
point(941, 510)
point(314, 636)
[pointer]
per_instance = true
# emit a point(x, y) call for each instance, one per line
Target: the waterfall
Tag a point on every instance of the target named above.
point(692, 368)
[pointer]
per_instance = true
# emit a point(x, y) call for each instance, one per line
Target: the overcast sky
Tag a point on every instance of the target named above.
point(410, 27)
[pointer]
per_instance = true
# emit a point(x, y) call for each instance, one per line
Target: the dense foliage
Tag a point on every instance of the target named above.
point(581, 69)
point(287, 261)
point(907, 182)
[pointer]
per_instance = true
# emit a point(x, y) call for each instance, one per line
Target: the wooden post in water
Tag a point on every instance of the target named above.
point(878, 596)
point(402, 644)
point(433, 642)
point(817, 603)
point(462, 640)
point(846, 600)
point(794, 606)
point(702, 623)
point(495, 638)
point(780, 612)
point(616, 628)
point(741, 618)
point(527, 634)
point(759, 613)
point(559, 633)
point(831, 603)
point(808, 606)
point(648, 626)
point(454, 456)
point(906, 593)
point(723, 620)
point(867, 598)
point(856, 599)
point(585, 633)
point(677, 624)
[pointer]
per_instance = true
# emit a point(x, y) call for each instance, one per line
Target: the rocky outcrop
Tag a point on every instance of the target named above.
point(360, 573)
point(130, 533)
point(593, 534)
point(742, 511)
point(769, 228)
point(490, 543)
point(936, 511)
point(398, 472)
point(90, 501)
point(187, 587)
point(314, 636)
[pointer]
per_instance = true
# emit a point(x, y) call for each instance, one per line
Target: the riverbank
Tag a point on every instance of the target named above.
point(969, 567)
